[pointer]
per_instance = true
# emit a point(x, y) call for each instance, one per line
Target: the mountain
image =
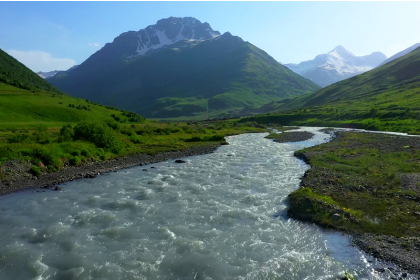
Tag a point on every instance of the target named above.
point(392, 87)
point(14, 73)
point(337, 65)
point(401, 53)
point(46, 75)
point(49, 74)
point(27, 100)
point(177, 68)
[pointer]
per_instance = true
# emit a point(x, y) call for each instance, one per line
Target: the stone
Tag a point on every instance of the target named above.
point(180, 161)
point(335, 217)
point(57, 188)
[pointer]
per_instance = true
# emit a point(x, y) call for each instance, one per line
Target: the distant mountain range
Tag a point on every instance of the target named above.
point(337, 65)
point(392, 87)
point(401, 53)
point(179, 67)
point(49, 74)
point(46, 75)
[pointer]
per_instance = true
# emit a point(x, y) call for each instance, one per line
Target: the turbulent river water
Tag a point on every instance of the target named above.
point(217, 216)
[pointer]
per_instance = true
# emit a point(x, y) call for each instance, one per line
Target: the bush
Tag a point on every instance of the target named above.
point(6, 153)
point(187, 129)
point(127, 131)
point(41, 136)
point(99, 134)
point(53, 163)
point(66, 133)
point(213, 138)
point(36, 171)
point(75, 161)
point(113, 124)
point(19, 138)
point(85, 153)
point(193, 139)
point(135, 139)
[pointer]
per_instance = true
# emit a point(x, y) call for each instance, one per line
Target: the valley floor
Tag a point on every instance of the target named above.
point(368, 185)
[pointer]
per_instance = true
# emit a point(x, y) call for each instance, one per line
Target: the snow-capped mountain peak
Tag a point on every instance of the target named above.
point(164, 33)
point(336, 65)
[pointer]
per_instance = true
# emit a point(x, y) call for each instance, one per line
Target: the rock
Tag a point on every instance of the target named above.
point(144, 169)
point(335, 217)
point(180, 161)
point(58, 188)
point(152, 167)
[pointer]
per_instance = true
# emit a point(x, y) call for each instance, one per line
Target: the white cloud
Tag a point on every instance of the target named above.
point(95, 45)
point(41, 61)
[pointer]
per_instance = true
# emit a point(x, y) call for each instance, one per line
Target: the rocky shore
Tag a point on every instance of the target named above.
point(383, 216)
point(21, 179)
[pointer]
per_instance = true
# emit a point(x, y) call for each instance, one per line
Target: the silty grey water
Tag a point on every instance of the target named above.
point(218, 216)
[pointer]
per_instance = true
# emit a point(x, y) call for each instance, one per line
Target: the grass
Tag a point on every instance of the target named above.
point(360, 174)
point(50, 148)
point(52, 130)
point(20, 108)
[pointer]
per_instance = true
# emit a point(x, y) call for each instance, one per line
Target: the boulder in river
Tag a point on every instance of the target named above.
point(180, 161)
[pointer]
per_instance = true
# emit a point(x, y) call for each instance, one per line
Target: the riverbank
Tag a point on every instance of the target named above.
point(367, 185)
point(20, 179)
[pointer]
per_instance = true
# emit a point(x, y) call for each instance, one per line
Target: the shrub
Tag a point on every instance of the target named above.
point(41, 136)
point(85, 153)
point(99, 134)
point(127, 131)
point(66, 133)
point(6, 153)
point(113, 124)
point(75, 161)
point(193, 139)
point(214, 138)
point(36, 171)
point(53, 163)
point(19, 138)
point(187, 129)
point(135, 139)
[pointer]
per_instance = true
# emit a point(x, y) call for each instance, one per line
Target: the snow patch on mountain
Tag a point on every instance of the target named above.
point(170, 31)
point(337, 65)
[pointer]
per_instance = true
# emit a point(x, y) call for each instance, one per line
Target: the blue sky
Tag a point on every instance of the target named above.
point(55, 35)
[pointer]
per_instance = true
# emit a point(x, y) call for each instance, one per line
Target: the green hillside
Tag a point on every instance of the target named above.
point(24, 108)
point(226, 73)
point(386, 98)
point(14, 73)
point(47, 130)
point(27, 100)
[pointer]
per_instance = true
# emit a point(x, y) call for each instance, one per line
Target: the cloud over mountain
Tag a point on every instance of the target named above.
point(41, 61)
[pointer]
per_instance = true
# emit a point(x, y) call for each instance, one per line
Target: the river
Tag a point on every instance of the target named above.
point(217, 216)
